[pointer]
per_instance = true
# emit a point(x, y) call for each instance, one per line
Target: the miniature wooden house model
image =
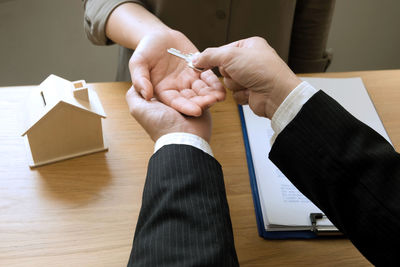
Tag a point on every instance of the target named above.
point(62, 120)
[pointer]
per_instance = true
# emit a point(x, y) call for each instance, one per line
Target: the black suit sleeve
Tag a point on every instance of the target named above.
point(349, 171)
point(184, 219)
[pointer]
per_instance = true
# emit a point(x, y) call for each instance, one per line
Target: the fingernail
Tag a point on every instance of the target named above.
point(142, 92)
point(195, 58)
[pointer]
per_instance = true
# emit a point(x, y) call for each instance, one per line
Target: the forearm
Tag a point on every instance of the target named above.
point(348, 170)
point(184, 219)
point(129, 22)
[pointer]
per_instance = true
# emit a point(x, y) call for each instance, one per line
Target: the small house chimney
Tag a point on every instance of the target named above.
point(81, 90)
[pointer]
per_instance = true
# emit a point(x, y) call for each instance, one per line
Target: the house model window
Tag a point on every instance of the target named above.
point(62, 120)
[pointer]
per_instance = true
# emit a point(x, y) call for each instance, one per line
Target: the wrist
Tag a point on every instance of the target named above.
point(283, 86)
point(160, 32)
point(130, 22)
point(199, 126)
point(204, 133)
point(155, 30)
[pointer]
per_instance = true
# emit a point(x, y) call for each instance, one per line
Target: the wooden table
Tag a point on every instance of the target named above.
point(83, 212)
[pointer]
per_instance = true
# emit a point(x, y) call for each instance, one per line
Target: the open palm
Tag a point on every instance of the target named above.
point(156, 73)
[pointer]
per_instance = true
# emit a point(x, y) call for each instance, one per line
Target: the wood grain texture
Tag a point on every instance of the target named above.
point(83, 211)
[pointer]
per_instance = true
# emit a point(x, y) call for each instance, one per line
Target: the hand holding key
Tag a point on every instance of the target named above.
point(156, 73)
point(253, 71)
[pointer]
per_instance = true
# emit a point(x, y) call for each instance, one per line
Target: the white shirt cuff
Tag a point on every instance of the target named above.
point(290, 107)
point(183, 139)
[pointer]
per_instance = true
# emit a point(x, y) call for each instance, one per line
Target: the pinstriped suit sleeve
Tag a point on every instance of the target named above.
point(184, 219)
point(349, 171)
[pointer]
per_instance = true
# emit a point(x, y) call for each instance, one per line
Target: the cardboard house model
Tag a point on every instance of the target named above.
point(62, 120)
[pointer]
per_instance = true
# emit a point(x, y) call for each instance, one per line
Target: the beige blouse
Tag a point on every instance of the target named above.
point(296, 29)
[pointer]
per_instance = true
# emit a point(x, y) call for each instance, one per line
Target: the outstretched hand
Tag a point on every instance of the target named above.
point(156, 73)
point(159, 119)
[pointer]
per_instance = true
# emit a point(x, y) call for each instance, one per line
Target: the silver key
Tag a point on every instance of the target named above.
point(186, 57)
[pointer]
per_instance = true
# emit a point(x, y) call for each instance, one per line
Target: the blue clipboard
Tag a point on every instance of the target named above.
point(256, 199)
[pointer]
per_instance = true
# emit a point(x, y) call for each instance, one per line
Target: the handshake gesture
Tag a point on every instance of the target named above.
point(165, 89)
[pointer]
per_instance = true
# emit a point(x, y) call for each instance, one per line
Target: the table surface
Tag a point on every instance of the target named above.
point(83, 212)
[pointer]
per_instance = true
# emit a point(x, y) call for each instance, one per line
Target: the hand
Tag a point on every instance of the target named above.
point(159, 119)
point(155, 72)
point(253, 71)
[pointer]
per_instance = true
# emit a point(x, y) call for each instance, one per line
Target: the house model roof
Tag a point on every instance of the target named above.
point(57, 91)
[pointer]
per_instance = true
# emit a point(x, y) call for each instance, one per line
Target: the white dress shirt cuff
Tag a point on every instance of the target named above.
point(183, 139)
point(290, 107)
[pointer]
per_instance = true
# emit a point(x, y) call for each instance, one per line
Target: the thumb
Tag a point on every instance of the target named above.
point(140, 108)
point(141, 80)
point(214, 57)
point(135, 101)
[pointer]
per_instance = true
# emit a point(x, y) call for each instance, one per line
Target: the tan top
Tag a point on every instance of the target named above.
point(296, 29)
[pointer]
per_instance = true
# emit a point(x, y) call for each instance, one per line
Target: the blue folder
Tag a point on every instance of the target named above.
point(256, 199)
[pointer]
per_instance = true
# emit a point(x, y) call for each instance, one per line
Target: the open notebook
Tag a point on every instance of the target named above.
point(281, 210)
